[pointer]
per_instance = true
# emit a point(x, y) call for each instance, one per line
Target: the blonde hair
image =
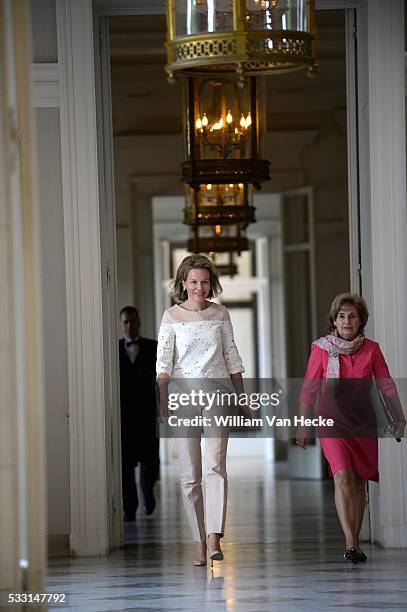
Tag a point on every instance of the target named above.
point(354, 300)
point(195, 262)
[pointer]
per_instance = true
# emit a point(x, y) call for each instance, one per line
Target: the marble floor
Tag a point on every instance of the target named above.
point(282, 550)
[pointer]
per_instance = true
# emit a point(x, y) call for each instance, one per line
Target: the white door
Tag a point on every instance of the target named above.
point(109, 274)
point(297, 213)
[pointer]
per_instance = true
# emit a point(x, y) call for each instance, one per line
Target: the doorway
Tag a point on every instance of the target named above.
point(306, 133)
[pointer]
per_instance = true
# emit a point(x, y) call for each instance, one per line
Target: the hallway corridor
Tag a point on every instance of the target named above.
point(283, 552)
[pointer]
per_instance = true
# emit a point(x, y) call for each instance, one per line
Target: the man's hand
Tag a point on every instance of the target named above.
point(163, 408)
point(162, 383)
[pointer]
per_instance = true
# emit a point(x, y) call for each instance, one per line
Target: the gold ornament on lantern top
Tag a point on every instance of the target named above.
point(250, 37)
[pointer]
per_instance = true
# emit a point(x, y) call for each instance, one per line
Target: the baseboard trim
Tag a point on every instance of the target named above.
point(58, 546)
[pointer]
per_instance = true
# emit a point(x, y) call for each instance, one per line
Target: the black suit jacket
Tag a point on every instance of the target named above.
point(138, 401)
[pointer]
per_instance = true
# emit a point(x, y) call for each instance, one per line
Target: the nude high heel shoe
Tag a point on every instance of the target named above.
point(199, 559)
point(214, 549)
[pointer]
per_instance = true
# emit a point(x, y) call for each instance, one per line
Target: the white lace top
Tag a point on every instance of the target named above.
point(197, 344)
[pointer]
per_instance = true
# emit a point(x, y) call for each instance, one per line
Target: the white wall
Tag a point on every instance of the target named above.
point(55, 338)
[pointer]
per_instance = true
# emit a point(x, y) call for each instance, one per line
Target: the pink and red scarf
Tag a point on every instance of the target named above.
point(336, 346)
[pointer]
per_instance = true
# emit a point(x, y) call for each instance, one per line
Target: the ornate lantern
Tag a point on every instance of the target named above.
point(251, 37)
point(222, 145)
point(223, 132)
point(218, 216)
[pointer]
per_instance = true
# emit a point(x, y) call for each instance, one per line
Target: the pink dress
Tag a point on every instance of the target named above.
point(358, 453)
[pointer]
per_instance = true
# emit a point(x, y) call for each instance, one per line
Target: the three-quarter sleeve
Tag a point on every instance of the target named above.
point(382, 375)
point(165, 347)
point(231, 355)
point(312, 378)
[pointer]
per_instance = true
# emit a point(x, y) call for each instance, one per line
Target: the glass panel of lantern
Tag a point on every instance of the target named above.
point(222, 131)
point(224, 123)
point(206, 16)
point(224, 118)
point(277, 15)
point(200, 16)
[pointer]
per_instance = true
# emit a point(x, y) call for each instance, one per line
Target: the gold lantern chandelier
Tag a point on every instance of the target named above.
point(223, 47)
point(218, 216)
point(222, 137)
point(222, 131)
point(251, 37)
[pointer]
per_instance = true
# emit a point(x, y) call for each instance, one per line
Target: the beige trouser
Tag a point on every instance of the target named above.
point(190, 467)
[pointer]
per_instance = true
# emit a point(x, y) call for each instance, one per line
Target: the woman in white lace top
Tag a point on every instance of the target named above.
point(196, 341)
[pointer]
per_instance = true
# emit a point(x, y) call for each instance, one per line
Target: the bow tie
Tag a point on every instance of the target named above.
point(131, 342)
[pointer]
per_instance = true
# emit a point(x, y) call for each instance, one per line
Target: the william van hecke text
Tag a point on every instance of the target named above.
point(242, 421)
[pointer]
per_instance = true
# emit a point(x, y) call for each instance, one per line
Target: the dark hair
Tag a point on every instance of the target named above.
point(195, 262)
point(354, 300)
point(128, 310)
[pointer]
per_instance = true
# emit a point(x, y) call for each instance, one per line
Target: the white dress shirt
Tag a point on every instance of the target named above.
point(132, 350)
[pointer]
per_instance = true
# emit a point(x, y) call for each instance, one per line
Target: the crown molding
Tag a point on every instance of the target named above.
point(158, 7)
point(129, 7)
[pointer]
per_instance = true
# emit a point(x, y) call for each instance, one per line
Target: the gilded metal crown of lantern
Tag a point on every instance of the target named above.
point(252, 37)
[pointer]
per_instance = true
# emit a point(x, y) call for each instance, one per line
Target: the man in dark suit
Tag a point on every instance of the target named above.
point(140, 444)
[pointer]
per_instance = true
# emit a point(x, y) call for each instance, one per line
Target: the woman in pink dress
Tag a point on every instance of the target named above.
point(346, 361)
